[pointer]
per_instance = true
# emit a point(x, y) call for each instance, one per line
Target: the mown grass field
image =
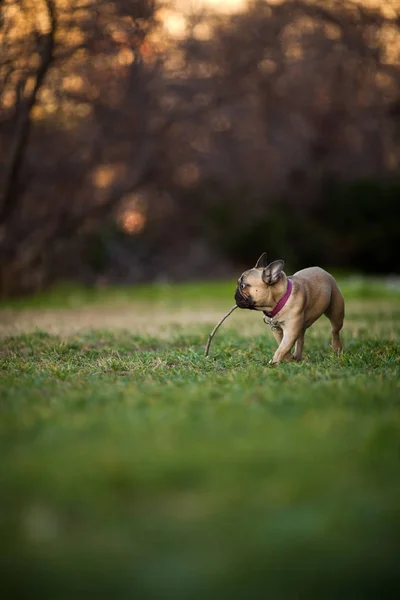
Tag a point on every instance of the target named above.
point(133, 467)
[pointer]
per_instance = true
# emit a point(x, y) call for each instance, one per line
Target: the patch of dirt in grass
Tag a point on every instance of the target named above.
point(361, 316)
point(71, 321)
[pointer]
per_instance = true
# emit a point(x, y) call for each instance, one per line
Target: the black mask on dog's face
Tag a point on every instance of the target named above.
point(243, 301)
point(254, 289)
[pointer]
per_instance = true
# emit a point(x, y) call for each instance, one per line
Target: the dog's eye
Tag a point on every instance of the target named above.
point(242, 286)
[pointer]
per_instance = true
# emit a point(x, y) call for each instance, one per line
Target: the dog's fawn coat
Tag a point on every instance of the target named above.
point(291, 304)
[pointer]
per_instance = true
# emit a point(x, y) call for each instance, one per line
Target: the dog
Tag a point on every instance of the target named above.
point(291, 304)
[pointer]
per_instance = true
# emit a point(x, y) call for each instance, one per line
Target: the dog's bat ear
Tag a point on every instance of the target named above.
point(262, 261)
point(272, 272)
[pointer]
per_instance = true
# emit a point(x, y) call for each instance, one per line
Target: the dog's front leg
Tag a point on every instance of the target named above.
point(278, 335)
point(291, 332)
point(298, 352)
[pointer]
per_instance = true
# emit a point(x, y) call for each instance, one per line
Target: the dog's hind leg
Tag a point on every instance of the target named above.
point(335, 313)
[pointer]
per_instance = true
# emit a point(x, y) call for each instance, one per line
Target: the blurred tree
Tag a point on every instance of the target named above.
point(25, 99)
point(297, 91)
point(74, 100)
point(146, 134)
point(301, 95)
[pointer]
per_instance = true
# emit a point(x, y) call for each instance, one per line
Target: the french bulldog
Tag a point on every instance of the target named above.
point(291, 304)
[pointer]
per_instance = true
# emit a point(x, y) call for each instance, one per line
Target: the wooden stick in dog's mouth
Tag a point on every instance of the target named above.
point(210, 337)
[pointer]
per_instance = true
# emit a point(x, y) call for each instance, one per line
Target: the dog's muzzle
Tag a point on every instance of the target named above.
point(242, 301)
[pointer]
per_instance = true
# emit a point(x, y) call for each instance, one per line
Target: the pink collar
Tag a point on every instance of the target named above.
point(281, 302)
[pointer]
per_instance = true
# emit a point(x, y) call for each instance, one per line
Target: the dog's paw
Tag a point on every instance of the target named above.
point(289, 358)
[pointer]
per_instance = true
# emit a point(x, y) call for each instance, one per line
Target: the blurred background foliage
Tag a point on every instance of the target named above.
point(149, 140)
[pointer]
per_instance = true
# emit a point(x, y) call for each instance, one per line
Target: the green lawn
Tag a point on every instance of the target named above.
point(133, 467)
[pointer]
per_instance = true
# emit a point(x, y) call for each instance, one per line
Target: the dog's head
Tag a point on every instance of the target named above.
point(255, 289)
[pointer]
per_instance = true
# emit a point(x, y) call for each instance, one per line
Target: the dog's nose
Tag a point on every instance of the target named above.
point(241, 301)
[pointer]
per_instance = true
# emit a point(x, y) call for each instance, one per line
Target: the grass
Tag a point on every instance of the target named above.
point(72, 296)
point(134, 467)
